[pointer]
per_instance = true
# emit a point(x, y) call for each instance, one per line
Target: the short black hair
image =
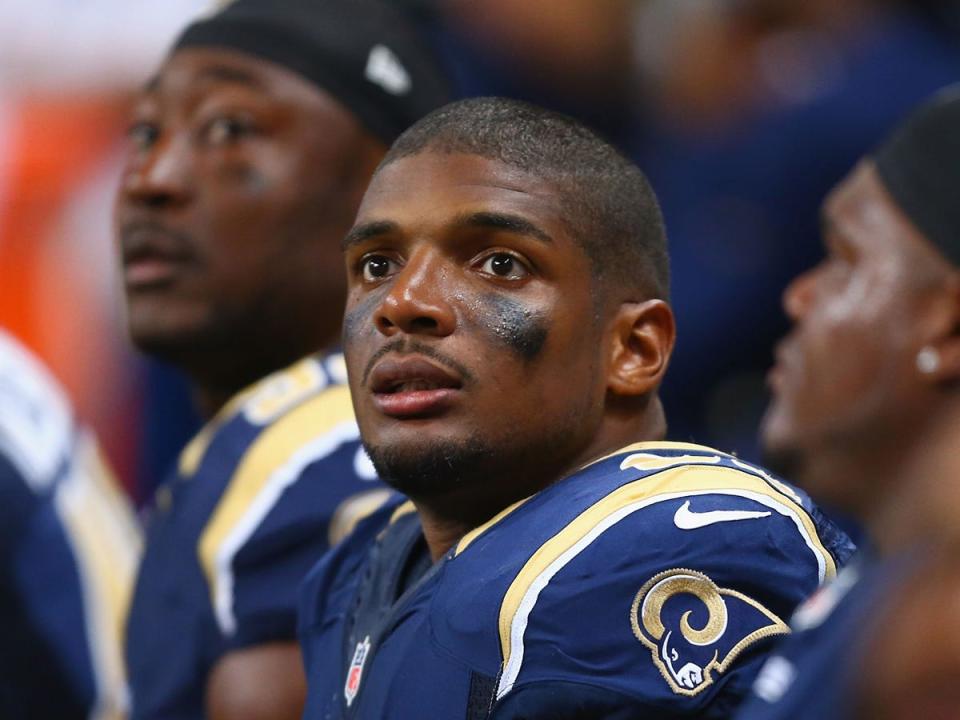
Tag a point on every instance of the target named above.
point(612, 210)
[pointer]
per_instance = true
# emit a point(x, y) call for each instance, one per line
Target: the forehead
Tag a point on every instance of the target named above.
point(861, 212)
point(433, 188)
point(191, 74)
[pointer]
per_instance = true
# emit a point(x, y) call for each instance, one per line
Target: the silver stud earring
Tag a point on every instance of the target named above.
point(928, 360)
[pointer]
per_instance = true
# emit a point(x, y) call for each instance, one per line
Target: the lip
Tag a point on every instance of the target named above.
point(412, 387)
point(152, 254)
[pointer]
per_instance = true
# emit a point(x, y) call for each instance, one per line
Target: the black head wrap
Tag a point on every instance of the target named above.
point(920, 166)
point(365, 53)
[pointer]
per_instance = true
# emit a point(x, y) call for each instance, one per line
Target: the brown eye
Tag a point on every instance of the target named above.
point(226, 129)
point(505, 266)
point(376, 267)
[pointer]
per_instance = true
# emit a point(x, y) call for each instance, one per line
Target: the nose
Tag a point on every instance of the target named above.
point(798, 295)
point(418, 300)
point(159, 176)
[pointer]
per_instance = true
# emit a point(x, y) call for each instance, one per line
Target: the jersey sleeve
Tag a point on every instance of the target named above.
point(68, 546)
point(659, 603)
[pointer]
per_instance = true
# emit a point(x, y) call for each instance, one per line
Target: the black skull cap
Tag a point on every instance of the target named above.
point(365, 53)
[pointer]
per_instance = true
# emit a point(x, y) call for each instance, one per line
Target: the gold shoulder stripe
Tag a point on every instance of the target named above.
point(106, 546)
point(554, 554)
point(651, 461)
point(403, 509)
point(354, 509)
point(309, 421)
point(655, 460)
point(193, 454)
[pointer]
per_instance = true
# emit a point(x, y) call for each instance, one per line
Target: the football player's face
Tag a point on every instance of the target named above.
point(845, 378)
point(236, 192)
point(470, 333)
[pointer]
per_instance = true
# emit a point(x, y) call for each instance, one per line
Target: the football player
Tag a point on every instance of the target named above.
point(68, 549)
point(250, 150)
point(873, 359)
point(505, 334)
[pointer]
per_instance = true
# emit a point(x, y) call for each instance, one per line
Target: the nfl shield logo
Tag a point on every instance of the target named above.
point(356, 670)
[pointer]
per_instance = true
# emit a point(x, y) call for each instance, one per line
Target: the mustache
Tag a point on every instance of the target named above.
point(150, 237)
point(402, 346)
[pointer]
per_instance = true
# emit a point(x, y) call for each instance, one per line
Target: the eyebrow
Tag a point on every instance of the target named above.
point(503, 221)
point(222, 73)
point(367, 231)
point(482, 220)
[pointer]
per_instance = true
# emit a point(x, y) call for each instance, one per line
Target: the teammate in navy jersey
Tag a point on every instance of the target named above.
point(68, 548)
point(250, 150)
point(505, 334)
point(872, 361)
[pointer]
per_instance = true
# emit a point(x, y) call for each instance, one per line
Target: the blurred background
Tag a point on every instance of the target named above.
point(742, 112)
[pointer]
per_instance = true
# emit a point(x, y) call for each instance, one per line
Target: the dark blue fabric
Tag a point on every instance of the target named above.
point(810, 675)
point(173, 635)
point(416, 653)
point(45, 666)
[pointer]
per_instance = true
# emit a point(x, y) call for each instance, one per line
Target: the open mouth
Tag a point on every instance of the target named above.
point(412, 386)
point(399, 374)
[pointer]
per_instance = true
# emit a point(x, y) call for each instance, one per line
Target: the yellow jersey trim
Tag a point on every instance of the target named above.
point(106, 546)
point(468, 539)
point(268, 396)
point(673, 482)
point(307, 422)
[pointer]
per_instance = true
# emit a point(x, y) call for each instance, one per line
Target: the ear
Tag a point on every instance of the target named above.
point(643, 334)
point(945, 337)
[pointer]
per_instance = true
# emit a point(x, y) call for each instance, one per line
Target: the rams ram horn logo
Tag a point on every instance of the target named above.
point(695, 629)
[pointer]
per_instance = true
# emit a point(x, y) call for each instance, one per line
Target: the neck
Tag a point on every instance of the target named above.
point(446, 518)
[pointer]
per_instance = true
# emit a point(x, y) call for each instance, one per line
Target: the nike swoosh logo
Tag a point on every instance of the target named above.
point(686, 519)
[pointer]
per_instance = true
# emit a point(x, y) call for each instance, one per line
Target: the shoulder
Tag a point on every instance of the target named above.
point(292, 428)
point(279, 468)
point(291, 407)
point(685, 561)
point(691, 488)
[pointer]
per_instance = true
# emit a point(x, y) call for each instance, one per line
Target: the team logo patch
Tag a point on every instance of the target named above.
point(694, 629)
point(355, 672)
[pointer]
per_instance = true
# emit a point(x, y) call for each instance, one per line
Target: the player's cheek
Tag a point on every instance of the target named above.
point(512, 323)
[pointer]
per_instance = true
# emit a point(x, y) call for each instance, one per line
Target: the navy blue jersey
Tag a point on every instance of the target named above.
point(68, 548)
point(649, 584)
point(812, 674)
point(258, 496)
